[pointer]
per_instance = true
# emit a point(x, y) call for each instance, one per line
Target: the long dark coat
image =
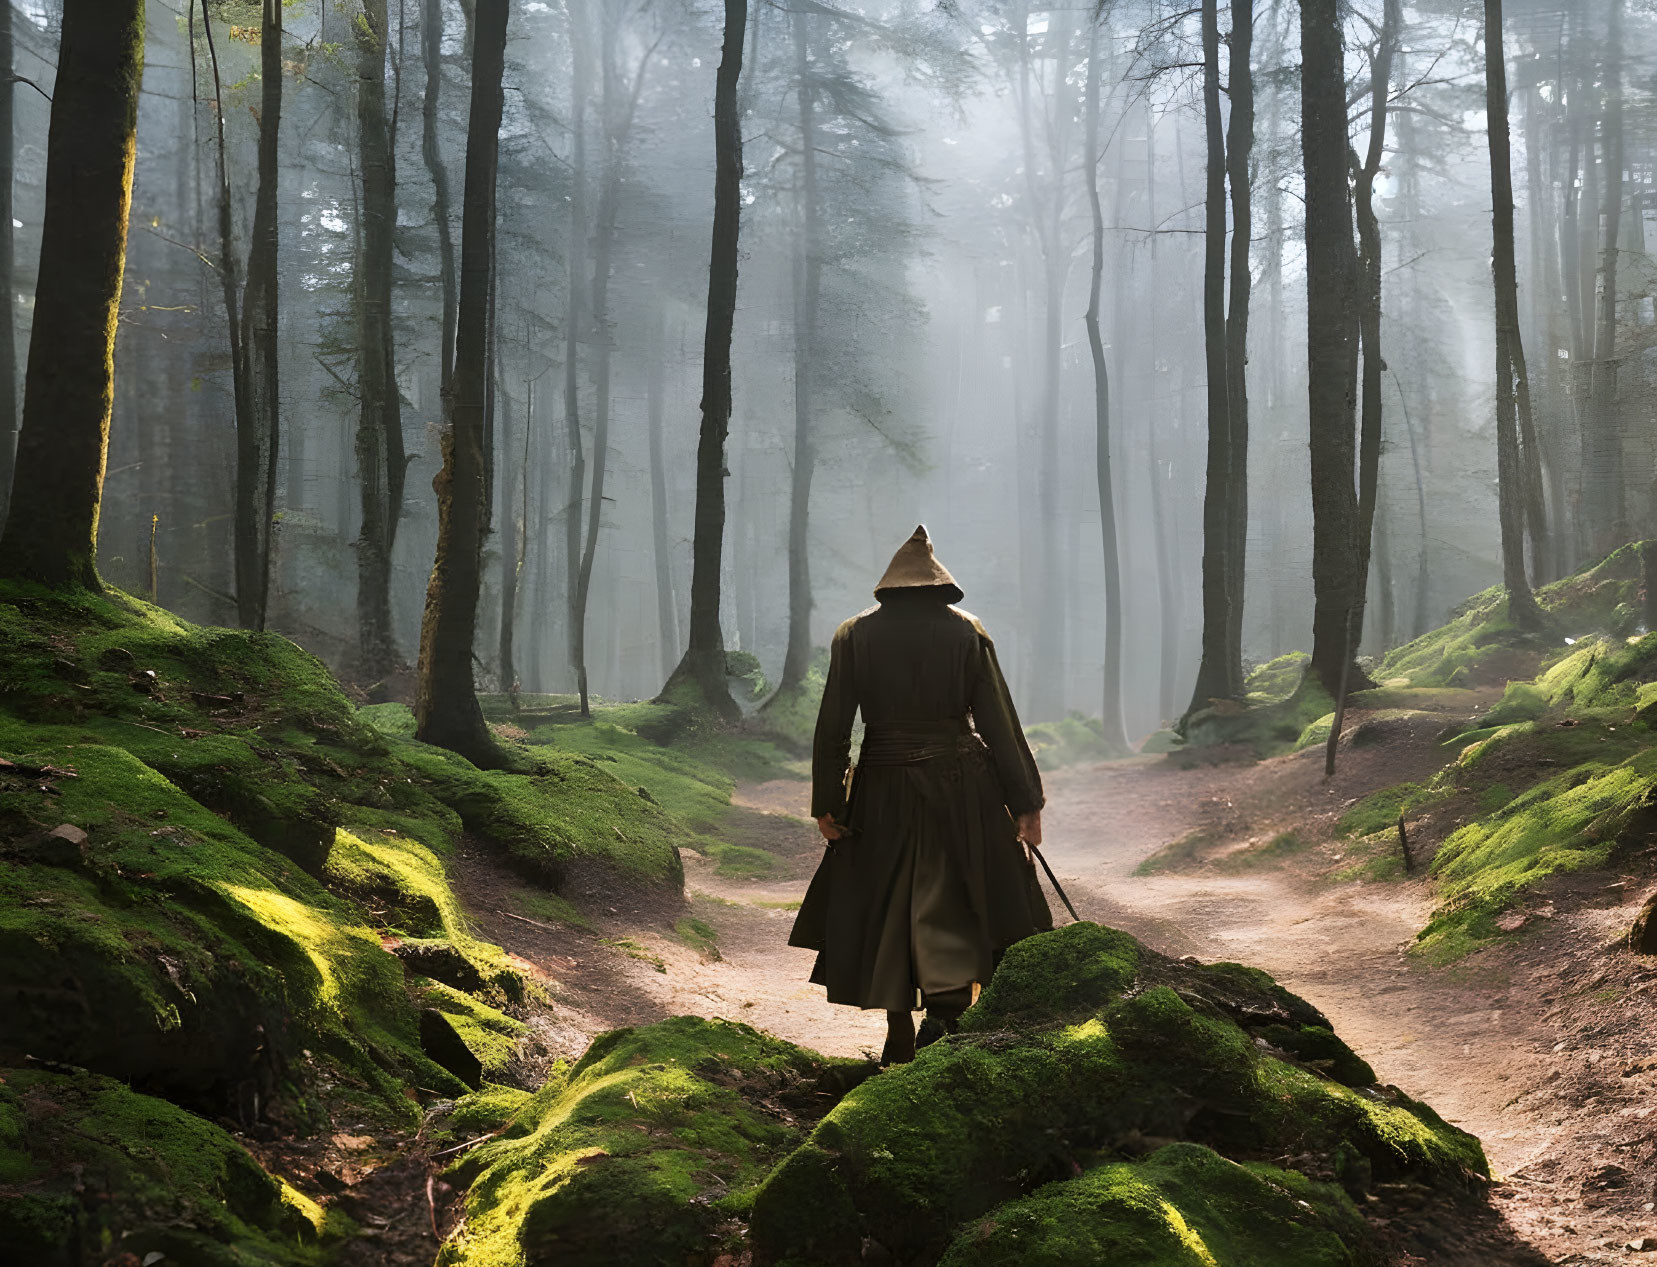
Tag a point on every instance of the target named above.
point(932, 881)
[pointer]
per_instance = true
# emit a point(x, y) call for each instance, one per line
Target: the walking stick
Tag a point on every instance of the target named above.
point(1057, 888)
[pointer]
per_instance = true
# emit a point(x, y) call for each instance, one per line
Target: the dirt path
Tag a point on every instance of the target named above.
point(1540, 1050)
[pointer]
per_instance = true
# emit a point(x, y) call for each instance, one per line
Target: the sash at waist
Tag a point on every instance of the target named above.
point(897, 743)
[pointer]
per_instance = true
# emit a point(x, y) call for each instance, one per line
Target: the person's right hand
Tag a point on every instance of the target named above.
point(832, 831)
point(1029, 830)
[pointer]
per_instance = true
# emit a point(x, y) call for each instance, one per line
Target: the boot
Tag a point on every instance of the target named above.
point(939, 1022)
point(900, 1039)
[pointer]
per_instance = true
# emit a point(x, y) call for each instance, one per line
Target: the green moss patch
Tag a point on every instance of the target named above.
point(1267, 727)
point(1183, 1206)
point(1077, 740)
point(643, 1155)
point(1266, 853)
point(1576, 820)
point(88, 1165)
point(1187, 851)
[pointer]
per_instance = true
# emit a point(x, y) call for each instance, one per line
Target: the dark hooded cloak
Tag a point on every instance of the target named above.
point(932, 882)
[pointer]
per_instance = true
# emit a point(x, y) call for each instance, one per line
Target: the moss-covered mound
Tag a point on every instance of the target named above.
point(1182, 1206)
point(1086, 1053)
point(1559, 776)
point(91, 1171)
point(1480, 645)
point(647, 1152)
point(220, 885)
point(1102, 1103)
point(1265, 723)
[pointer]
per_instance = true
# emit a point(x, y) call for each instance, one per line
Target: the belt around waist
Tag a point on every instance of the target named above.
point(911, 743)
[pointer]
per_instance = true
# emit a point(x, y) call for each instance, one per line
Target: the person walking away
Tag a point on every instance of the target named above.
point(924, 881)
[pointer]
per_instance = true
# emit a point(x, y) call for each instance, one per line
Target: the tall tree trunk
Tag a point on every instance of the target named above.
point(619, 104)
point(1369, 302)
point(381, 459)
point(667, 606)
point(1215, 676)
point(446, 706)
point(1239, 164)
point(245, 515)
point(258, 442)
point(431, 45)
point(1331, 343)
point(1522, 609)
point(574, 326)
point(1604, 487)
point(1115, 737)
point(1541, 138)
point(704, 658)
point(8, 288)
point(51, 530)
point(514, 549)
point(808, 271)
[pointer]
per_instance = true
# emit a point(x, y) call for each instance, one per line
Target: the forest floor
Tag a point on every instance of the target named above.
point(1540, 1045)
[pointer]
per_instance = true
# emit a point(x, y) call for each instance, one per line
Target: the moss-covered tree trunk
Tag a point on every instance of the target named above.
point(1522, 609)
point(1331, 343)
point(381, 460)
point(704, 658)
point(51, 530)
point(446, 707)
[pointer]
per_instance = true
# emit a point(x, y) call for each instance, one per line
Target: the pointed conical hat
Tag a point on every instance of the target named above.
point(914, 566)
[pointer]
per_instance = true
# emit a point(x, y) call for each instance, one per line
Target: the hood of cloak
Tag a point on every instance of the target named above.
point(916, 567)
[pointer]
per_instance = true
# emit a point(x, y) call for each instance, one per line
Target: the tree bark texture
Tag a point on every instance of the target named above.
point(1239, 173)
point(1331, 338)
point(258, 435)
point(1522, 609)
point(704, 658)
point(574, 325)
point(446, 706)
point(51, 530)
point(1369, 303)
point(431, 46)
point(1216, 678)
point(1604, 497)
point(1115, 737)
point(808, 273)
point(381, 459)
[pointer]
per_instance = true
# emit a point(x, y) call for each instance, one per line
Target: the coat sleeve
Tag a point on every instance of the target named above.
point(832, 742)
point(997, 722)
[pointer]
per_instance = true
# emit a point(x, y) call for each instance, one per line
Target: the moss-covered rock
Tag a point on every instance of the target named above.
point(1262, 723)
point(171, 950)
point(1182, 1206)
point(1131, 1049)
point(90, 1170)
point(644, 1154)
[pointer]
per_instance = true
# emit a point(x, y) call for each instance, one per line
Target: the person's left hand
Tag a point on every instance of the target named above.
point(832, 831)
